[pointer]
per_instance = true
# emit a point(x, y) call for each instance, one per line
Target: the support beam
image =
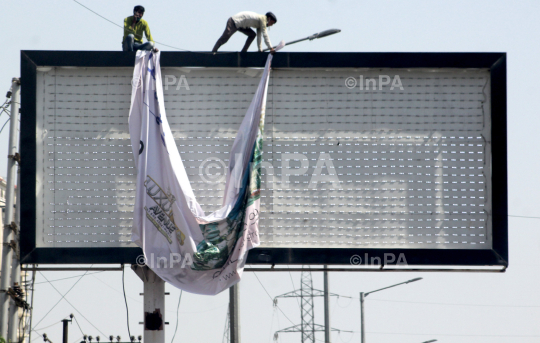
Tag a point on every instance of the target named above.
point(234, 313)
point(7, 249)
point(154, 304)
point(327, 327)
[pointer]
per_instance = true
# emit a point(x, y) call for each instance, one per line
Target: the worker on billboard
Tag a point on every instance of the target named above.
point(243, 22)
point(134, 27)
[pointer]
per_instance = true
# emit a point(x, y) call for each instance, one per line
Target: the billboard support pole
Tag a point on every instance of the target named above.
point(13, 328)
point(362, 333)
point(234, 313)
point(7, 248)
point(154, 304)
point(327, 327)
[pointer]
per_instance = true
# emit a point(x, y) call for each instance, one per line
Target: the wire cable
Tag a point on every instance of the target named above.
point(46, 327)
point(169, 46)
point(79, 312)
point(450, 304)
point(272, 299)
point(290, 275)
point(63, 296)
point(4, 125)
point(125, 299)
point(177, 311)
point(70, 277)
point(77, 322)
point(523, 216)
point(442, 334)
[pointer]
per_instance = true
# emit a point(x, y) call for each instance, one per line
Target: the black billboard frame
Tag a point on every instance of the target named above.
point(495, 62)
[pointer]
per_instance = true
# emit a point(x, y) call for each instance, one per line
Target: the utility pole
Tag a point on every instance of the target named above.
point(362, 297)
point(327, 327)
point(234, 313)
point(154, 304)
point(13, 327)
point(65, 328)
point(8, 247)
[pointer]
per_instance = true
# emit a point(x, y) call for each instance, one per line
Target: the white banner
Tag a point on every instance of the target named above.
point(196, 252)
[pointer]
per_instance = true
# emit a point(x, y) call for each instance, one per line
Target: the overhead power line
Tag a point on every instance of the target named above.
point(450, 304)
point(64, 297)
point(272, 299)
point(112, 22)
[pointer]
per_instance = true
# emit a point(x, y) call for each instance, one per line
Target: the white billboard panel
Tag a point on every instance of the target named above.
point(373, 158)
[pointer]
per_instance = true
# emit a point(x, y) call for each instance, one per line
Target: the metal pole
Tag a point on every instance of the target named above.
point(362, 333)
point(65, 330)
point(154, 308)
point(13, 327)
point(327, 327)
point(234, 313)
point(7, 251)
point(31, 307)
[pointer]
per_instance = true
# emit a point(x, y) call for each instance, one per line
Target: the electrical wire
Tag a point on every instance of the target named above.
point(272, 299)
point(63, 296)
point(77, 322)
point(4, 125)
point(290, 275)
point(71, 277)
point(450, 304)
point(46, 327)
point(169, 46)
point(177, 309)
point(523, 216)
point(125, 299)
point(442, 334)
point(79, 312)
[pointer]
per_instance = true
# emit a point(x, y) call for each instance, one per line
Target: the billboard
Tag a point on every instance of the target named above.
point(365, 154)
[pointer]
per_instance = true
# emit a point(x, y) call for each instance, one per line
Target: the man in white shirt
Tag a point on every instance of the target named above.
point(243, 22)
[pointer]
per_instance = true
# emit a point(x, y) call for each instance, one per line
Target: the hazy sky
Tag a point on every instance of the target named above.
point(449, 307)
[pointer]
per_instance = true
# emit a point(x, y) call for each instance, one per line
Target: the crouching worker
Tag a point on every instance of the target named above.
point(134, 27)
point(243, 22)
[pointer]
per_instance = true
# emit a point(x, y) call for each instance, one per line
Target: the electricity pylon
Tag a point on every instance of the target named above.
point(227, 331)
point(306, 293)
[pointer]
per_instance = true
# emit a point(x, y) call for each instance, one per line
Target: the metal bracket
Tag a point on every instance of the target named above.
point(13, 226)
point(15, 157)
point(13, 244)
point(19, 302)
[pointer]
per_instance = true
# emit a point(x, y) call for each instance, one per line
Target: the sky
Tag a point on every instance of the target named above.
point(449, 307)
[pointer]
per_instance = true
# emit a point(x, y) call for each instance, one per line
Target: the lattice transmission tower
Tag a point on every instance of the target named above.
point(227, 331)
point(306, 293)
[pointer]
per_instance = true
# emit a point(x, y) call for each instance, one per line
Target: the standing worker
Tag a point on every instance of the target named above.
point(243, 22)
point(134, 27)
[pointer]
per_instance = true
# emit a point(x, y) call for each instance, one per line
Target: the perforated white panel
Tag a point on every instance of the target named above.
point(345, 166)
